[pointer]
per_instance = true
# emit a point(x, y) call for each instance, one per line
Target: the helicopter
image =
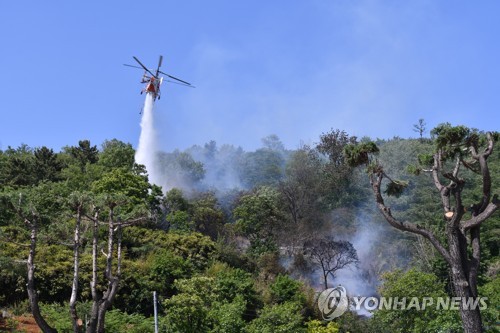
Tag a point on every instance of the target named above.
point(154, 81)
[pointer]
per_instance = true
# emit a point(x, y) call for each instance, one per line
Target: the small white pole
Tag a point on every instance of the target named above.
point(155, 311)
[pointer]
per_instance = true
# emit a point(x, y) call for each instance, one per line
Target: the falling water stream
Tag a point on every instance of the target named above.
point(148, 141)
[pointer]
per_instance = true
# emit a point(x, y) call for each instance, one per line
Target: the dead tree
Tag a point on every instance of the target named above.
point(330, 255)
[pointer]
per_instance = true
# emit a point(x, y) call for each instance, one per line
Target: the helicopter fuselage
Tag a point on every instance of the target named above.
point(152, 85)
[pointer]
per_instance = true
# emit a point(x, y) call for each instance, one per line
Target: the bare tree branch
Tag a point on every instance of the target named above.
point(376, 182)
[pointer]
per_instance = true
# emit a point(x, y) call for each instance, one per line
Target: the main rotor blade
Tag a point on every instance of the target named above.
point(180, 83)
point(173, 77)
point(132, 66)
point(145, 68)
point(159, 63)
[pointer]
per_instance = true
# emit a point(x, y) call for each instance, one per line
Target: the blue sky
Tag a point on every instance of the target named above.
point(291, 68)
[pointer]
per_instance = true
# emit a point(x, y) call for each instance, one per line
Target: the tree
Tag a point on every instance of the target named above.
point(420, 128)
point(301, 193)
point(208, 218)
point(182, 170)
point(18, 166)
point(228, 317)
point(459, 152)
point(491, 316)
point(285, 318)
point(166, 267)
point(84, 153)
point(273, 142)
point(285, 289)
point(102, 301)
point(337, 173)
point(261, 167)
point(46, 165)
point(29, 213)
point(413, 283)
point(186, 313)
point(218, 302)
point(116, 154)
point(330, 255)
point(258, 216)
point(316, 326)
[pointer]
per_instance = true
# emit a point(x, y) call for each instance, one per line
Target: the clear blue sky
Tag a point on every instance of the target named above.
point(291, 68)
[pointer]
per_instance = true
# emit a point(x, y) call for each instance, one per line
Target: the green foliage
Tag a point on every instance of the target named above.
point(258, 215)
point(333, 144)
point(316, 326)
point(285, 289)
point(57, 316)
point(262, 167)
point(491, 316)
point(120, 181)
point(350, 321)
point(198, 249)
point(279, 318)
point(230, 283)
point(426, 160)
point(202, 286)
point(359, 154)
point(12, 281)
point(220, 301)
point(18, 165)
point(227, 317)
point(304, 182)
point(199, 263)
point(410, 284)
point(233, 282)
point(83, 154)
point(207, 216)
point(116, 321)
point(136, 286)
point(175, 201)
point(54, 270)
point(116, 154)
point(195, 247)
point(77, 179)
point(45, 201)
point(447, 135)
point(413, 170)
point(186, 313)
point(396, 188)
point(182, 169)
point(337, 187)
point(180, 221)
point(165, 268)
point(46, 165)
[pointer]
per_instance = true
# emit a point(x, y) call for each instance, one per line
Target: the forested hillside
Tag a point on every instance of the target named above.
point(231, 241)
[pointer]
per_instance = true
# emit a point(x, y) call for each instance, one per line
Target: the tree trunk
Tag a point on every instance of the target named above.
point(471, 318)
point(32, 293)
point(94, 314)
point(76, 268)
point(325, 279)
point(101, 303)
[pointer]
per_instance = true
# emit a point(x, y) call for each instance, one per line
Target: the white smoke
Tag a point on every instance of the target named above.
point(362, 280)
point(147, 150)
